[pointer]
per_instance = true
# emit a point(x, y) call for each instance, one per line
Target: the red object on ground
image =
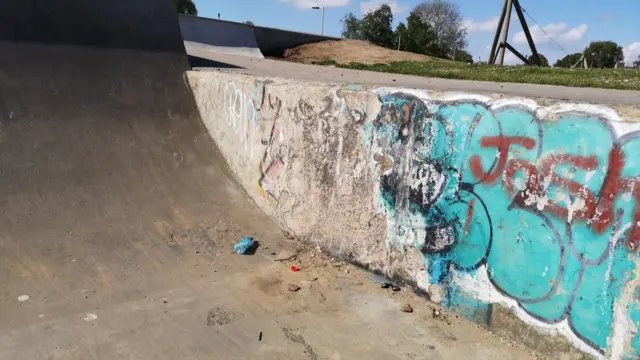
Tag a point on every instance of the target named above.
point(294, 268)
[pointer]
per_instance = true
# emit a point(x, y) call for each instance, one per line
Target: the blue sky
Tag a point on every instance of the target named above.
point(572, 23)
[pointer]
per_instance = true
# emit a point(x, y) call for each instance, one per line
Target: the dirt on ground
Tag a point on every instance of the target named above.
point(287, 301)
point(348, 51)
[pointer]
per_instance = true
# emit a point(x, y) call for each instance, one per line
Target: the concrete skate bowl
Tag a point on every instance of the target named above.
point(107, 171)
point(273, 42)
point(501, 209)
point(203, 37)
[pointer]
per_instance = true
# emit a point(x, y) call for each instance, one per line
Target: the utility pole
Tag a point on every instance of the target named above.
point(498, 48)
point(505, 31)
point(321, 21)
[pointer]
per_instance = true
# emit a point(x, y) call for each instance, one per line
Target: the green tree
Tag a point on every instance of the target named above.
point(568, 61)
point(351, 27)
point(401, 35)
point(603, 54)
point(544, 62)
point(636, 63)
point(445, 20)
point(376, 26)
point(463, 56)
point(420, 37)
point(186, 7)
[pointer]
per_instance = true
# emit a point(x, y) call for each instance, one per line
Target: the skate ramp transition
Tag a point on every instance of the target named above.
point(514, 212)
point(212, 35)
point(203, 34)
point(107, 174)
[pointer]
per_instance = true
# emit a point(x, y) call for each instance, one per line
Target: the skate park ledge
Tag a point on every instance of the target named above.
point(518, 213)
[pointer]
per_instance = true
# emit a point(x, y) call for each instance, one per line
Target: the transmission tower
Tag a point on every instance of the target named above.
point(499, 46)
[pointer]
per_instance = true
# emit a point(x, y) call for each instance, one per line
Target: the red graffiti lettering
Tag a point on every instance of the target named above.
point(530, 173)
point(502, 143)
point(603, 218)
point(633, 186)
point(467, 224)
point(597, 211)
point(574, 188)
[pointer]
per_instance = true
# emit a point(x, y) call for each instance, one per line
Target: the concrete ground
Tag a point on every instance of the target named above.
point(190, 297)
point(270, 67)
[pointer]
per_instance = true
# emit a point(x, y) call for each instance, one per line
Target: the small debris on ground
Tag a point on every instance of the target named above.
point(22, 298)
point(293, 287)
point(245, 246)
point(89, 316)
point(385, 285)
point(407, 308)
point(294, 268)
point(260, 336)
point(285, 255)
point(436, 313)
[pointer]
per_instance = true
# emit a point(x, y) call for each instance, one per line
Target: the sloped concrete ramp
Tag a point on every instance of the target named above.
point(218, 36)
point(113, 198)
point(118, 215)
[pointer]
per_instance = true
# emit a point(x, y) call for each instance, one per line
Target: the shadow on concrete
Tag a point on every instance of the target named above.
point(197, 61)
point(141, 25)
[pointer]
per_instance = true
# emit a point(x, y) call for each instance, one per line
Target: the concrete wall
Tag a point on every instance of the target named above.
point(273, 42)
point(498, 208)
point(218, 36)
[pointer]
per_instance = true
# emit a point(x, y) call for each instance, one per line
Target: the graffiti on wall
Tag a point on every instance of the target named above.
point(252, 114)
point(547, 203)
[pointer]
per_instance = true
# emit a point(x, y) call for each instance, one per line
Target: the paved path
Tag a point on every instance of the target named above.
point(269, 67)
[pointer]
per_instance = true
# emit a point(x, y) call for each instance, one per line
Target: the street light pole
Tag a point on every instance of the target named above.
point(322, 20)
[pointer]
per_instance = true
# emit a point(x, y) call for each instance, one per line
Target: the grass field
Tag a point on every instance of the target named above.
point(625, 79)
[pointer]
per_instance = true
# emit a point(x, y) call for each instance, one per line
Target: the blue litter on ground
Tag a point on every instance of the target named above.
point(244, 245)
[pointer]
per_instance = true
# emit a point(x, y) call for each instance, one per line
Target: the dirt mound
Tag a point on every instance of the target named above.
point(348, 51)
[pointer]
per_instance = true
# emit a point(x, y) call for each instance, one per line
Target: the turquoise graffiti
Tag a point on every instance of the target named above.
point(549, 208)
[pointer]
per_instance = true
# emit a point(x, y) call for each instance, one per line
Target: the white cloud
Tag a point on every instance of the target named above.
point(632, 52)
point(558, 31)
point(510, 59)
point(481, 26)
point(372, 5)
point(308, 4)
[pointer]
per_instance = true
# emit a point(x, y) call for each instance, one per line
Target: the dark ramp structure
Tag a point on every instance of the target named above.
point(205, 37)
point(218, 36)
point(109, 182)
